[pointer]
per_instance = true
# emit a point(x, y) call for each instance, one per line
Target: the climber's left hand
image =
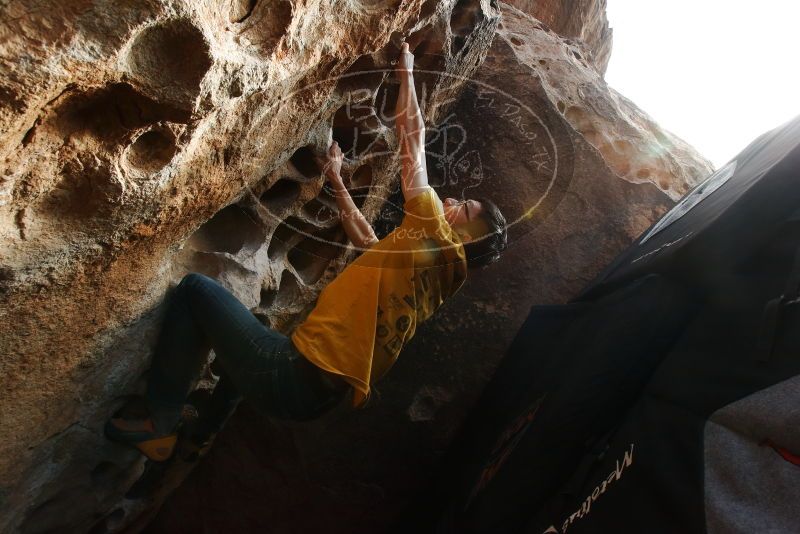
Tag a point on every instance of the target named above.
point(331, 164)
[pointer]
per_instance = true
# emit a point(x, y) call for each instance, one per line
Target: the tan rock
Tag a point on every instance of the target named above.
point(141, 140)
point(584, 20)
point(570, 214)
point(631, 142)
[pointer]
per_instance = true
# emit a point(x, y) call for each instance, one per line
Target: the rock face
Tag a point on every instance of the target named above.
point(582, 20)
point(631, 143)
point(570, 211)
point(142, 140)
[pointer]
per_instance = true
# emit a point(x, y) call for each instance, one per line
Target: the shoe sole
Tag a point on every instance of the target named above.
point(157, 449)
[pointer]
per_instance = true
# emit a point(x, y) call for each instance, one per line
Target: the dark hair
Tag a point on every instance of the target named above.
point(486, 249)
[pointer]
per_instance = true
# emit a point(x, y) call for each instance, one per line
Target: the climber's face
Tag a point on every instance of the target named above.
point(463, 216)
point(461, 211)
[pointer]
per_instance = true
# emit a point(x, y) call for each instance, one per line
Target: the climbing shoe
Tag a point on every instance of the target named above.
point(155, 447)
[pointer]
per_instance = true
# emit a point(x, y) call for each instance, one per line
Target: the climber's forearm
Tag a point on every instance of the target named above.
point(413, 121)
point(411, 134)
point(355, 225)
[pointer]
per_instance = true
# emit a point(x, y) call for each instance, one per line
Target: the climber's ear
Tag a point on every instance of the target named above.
point(463, 234)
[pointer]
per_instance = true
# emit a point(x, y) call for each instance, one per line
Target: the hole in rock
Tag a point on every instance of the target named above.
point(312, 255)
point(303, 161)
point(28, 137)
point(278, 243)
point(356, 133)
point(240, 9)
point(428, 46)
point(264, 24)
point(230, 230)
point(170, 58)
point(288, 289)
point(360, 184)
point(320, 213)
point(362, 74)
point(359, 197)
point(464, 19)
point(288, 232)
point(371, 122)
point(458, 42)
point(281, 195)
point(96, 123)
point(561, 106)
point(428, 9)
point(111, 112)
point(362, 177)
point(516, 41)
point(268, 296)
point(152, 150)
point(235, 89)
point(263, 318)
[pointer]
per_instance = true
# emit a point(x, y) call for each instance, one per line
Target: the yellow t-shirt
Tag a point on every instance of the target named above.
point(365, 316)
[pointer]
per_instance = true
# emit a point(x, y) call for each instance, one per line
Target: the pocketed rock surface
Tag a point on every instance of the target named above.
point(144, 140)
point(579, 22)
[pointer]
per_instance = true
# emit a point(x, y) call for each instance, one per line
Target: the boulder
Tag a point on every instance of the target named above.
point(141, 140)
point(581, 20)
point(570, 210)
point(630, 141)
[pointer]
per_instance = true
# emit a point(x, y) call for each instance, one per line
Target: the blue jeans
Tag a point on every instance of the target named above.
point(254, 361)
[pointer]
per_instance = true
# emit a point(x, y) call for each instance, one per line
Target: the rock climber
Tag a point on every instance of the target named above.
point(358, 327)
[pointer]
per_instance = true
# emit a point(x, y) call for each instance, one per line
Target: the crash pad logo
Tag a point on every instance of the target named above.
point(693, 198)
point(597, 492)
point(504, 446)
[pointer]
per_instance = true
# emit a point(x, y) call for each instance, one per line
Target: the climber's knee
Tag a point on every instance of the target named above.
point(193, 279)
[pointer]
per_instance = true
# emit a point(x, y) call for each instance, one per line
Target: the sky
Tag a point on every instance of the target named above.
point(715, 73)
